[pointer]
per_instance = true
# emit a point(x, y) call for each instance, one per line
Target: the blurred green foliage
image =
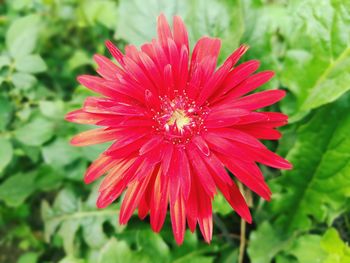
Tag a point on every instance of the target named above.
point(47, 214)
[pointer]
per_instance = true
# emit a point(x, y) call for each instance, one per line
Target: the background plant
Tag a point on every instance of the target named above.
point(49, 215)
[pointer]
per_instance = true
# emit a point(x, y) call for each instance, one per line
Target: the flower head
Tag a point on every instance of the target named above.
point(176, 122)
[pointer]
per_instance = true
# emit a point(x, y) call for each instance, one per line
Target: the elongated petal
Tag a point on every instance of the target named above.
point(224, 118)
point(205, 216)
point(201, 145)
point(98, 167)
point(115, 52)
point(159, 201)
point(257, 186)
point(94, 137)
point(178, 218)
point(163, 29)
point(237, 135)
point(132, 198)
point(248, 85)
point(258, 100)
point(219, 76)
point(199, 167)
point(106, 68)
point(82, 117)
point(238, 74)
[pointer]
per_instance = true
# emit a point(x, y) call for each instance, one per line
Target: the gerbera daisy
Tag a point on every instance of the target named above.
point(177, 123)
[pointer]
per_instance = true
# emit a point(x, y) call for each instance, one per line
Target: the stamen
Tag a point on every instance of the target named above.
point(179, 119)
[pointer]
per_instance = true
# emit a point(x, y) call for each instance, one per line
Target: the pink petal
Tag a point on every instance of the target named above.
point(248, 85)
point(95, 136)
point(238, 74)
point(132, 198)
point(106, 68)
point(163, 30)
point(159, 201)
point(98, 167)
point(199, 167)
point(115, 52)
point(178, 218)
point(201, 145)
point(219, 76)
point(237, 135)
point(205, 219)
point(258, 100)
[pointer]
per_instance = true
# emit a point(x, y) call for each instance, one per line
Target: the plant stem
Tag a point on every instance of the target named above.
point(248, 197)
point(242, 242)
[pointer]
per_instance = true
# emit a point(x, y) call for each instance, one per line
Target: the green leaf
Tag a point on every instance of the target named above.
point(36, 132)
point(215, 18)
point(104, 12)
point(263, 23)
point(48, 178)
point(4, 61)
point(115, 251)
point(23, 80)
point(326, 249)
point(52, 109)
point(6, 153)
point(317, 64)
point(307, 249)
point(21, 37)
point(337, 250)
point(68, 214)
point(29, 257)
point(31, 64)
point(59, 153)
point(79, 58)
point(317, 186)
point(6, 110)
point(265, 243)
point(220, 205)
point(71, 259)
point(17, 188)
point(152, 244)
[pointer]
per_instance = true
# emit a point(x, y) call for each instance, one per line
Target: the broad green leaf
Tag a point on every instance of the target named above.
point(23, 80)
point(307, 249)
point(6, 110)
point(317, 63)
point(220, 205)
point(21, 37)
point(71, 259)
point(328, 248)
point(263, 23)
point(79, 58)
point(215, 18)
point(115, 251)
point(17, 188)
point(103, 12)
point(68, 214)
point(30, 64)
point(152, 244)
point(317, 186)
point(36, 132)
point(265, 243)
point(60, 153)
point(337, 250)
point(29, 257)
point(6, 152)
point(4, 61)
point(52, 109)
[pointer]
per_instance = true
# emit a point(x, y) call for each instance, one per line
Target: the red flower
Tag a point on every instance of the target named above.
point(176, 122)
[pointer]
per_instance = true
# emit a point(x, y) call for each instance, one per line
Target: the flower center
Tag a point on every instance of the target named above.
point(179, 119)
